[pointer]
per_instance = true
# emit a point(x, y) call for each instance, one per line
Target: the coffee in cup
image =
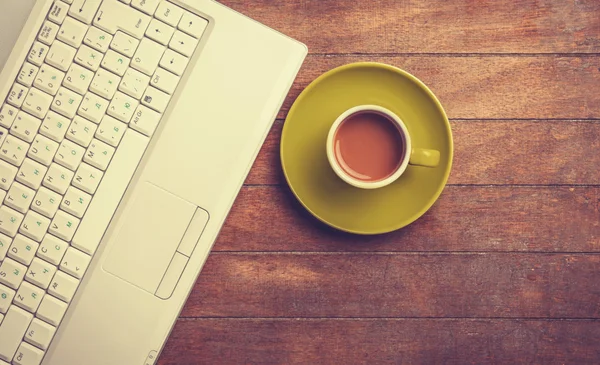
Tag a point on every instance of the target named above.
point(369, 147)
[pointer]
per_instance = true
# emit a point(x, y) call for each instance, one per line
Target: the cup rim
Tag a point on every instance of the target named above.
point(360, 183)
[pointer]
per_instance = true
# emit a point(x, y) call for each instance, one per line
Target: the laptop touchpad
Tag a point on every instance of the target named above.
point(147, 236)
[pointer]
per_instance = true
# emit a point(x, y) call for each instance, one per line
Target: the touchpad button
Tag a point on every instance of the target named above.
point(147, 236)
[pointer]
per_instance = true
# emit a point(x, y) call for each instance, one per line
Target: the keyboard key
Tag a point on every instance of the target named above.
point(75, 262)
point(78, 79)
point(7, 174)
point(66, 102)
point(34, 226)
point(183, 43)
point(8, 114)
point(114, 16)
point(17, 95)
point(60, 56)
point(58, 178)
point(58, 12)
point(37, 103)
point(40, 273)
point(5, 243)
point(48, 33)
point(23, 249)
point(145, 120)
point(169, 13)
point(6, 297)
point(19, 197)
point(52, 310)
point(174, 62)
point(52, 249)
point(40, 334)
point(105, 83)
point(115, 62)
point(42, 150)
point(156, 99)
point(37, 54)
point(10, 221)
point(12, 273)
point(13, 150)
point(29, 297)
point(122, 107)
point(63, 286)
point(72, 32)
point(97, 39)
point(147, 6)
point(111, 131)
point(87, 178)
point(99, 154)
point(12, 330)
point(75, 202)
point(147, 56)
point(27, 74)
point(25, 126)
point(31, 173)
point(89, 58)
point(134, 83)
point(81, 131)
point(28, 355)
point(46, 202)
point(124, 44)
point(84, 10)
point(64, 225)
point(192, 24)
point(69, 154)
point(159, 32)
point(93, 107)
point(49, 79)
point(55, 126)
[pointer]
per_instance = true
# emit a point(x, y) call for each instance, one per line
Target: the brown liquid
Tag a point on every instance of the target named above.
point(369, 146)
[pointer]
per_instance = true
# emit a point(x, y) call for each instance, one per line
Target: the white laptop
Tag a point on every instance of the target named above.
point(127, 128)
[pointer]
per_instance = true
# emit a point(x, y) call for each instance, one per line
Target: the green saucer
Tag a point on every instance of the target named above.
point(310, 176)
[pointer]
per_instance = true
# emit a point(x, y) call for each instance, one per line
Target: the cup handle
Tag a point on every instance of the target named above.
point(424, 157)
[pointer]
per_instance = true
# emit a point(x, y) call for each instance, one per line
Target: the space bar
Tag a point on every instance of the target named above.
point(110, 191)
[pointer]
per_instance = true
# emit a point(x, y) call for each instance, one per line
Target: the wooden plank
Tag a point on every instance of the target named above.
point(490, 87)
point(380, 341)
point(223, 341)
point(398, 285)
point(494, 152)
point(465, 218)
point(415, 26)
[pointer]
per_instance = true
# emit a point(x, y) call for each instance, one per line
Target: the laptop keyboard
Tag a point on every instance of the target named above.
point(73, 129)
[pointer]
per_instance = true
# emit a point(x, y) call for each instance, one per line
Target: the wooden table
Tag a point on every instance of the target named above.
point(503, 269)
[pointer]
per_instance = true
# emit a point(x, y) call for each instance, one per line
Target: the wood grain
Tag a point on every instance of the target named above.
point(382, 341)
point(398, 285)
point(465, 218)
point(489, 87)
point(439, 26)
point(494, 152)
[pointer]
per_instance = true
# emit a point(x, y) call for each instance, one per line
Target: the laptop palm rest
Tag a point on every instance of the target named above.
point(143, 248)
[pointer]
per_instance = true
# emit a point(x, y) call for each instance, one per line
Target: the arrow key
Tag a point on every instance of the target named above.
point(84, 10)
point(183, 43)
point(75, 262)
point(174, 62)
point(159, 31)
point(192, 25)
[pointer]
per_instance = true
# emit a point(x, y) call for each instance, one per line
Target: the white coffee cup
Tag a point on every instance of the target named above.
point(363, 146)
